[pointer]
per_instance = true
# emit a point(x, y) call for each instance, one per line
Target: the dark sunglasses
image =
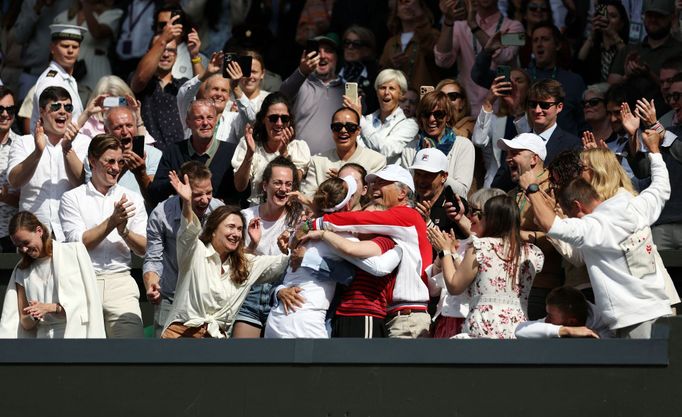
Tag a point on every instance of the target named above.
point(454, 96)
point(438, 114)
point(674, 97)
point(537, 7)
point(11, 110)
point(544, 105)
point(285, 118)
point(353, 44)
point(350, 127)
point(476, 212)
point(592, 102)
point(57, 106)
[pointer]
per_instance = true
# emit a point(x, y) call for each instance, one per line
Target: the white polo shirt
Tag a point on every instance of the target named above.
point(84, 208)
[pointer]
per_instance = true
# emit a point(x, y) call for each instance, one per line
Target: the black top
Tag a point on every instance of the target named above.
point(160, 111)
point(221, 168)
point(440, 218)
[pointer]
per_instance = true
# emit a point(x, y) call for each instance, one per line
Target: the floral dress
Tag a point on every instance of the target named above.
point(498, 304)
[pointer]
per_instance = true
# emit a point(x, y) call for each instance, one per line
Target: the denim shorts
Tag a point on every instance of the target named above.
point(256, 306)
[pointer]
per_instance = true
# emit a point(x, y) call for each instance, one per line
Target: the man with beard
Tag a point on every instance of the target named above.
point(316, 92)
point(526, 153)
point(111, 222)
point(47, 164)
point(657, 47)
point(138, 171)
point(201, 146)
point(434, 197)
point(157, 89)
point(160, 267)
point(669, 69)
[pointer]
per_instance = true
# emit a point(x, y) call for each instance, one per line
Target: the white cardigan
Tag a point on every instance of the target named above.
point(77, 293)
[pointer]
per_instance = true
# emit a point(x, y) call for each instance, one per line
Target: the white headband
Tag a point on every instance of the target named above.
point(352, 188)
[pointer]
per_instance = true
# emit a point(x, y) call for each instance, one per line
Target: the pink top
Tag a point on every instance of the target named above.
point(462, 52)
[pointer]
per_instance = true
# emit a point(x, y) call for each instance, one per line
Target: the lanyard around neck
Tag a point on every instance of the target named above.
point(497, 29)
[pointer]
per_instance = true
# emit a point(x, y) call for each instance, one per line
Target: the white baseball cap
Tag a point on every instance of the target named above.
point(528, 141)
point(430, 160)
point(395, 173)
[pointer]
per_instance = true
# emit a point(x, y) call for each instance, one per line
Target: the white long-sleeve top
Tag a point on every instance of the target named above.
point(540, 329)
point(449, 305)
point(622, 297)
point(389, 138)
point(204, 294)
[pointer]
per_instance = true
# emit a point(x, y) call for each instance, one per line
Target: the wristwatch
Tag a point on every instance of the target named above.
point(533, 188)
point(441, 254)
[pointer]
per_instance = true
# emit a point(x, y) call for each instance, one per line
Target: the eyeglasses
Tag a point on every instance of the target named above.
point(438, 114)
point(455, 96)
point(273, 118)
point(112, 162)
point(172, 51)
point(353, 44)
point(11, 110)
point(537, 7)
point(544, 105)
point(68, 107)
point(673, 97)
point(592, 102)
point(350, 127)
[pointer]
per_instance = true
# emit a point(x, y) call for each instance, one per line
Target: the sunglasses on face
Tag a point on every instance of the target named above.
point(285, 118)
point(353, 44)
point(68, 107)
point(350, 127)
point(11, 110)
point(544, 105)
point(537, 7)
point(592, 102)
point(455, 96)
point(674, 97)
point(476, 212)
point(438, 114)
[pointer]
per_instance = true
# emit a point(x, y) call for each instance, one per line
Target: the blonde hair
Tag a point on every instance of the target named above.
point(114, 87)
point(608, 176)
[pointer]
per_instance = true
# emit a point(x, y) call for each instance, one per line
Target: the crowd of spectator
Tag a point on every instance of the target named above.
point(314, 169)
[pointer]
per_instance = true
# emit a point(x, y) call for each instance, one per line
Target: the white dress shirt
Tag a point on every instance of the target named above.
point(41, 194)
point(390, 137)
point(84, 208)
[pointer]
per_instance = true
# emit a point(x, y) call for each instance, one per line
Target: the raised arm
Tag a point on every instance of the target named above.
point(150, 61)
point(21, 173)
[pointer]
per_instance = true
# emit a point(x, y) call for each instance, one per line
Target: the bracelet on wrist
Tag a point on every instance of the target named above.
point(196, 60)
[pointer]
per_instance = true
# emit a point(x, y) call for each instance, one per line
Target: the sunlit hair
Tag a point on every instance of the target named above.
point(102, 143)
point(432, 100)
point(201, 102)
point(481, 196)
point(395, 26)
point(565, 167)
point(349, 110)
point(29, 222)
point(388, 75)
point(608, 175)
point(502, 220)
point(467, 106)
point(577, 190)
point(195, 171)
point(53, 93)
point(260, 131)
point(366, 36)
point(546, 88)
point(330, 193)
point(113, 86)
point(293, 207)
point(598, 89)
point(239, 265)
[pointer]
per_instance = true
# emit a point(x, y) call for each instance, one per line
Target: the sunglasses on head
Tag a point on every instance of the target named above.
point(455, 95)
point(68, 107)
point(674, 97)
point(544, 105)
point(285, 118)
point(350, 127)
point(11, 110)
point(353, 44)
point(592, 102)
point(438, 114)
point(537, 7)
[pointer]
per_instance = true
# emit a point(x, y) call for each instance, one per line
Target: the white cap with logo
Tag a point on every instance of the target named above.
point(430, 160)
point(68, 32)
point(395, 173)
point(528, 141)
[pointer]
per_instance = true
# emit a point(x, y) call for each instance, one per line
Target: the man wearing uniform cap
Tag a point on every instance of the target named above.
point(64, 48)
point(526, 153)
point(393, 188)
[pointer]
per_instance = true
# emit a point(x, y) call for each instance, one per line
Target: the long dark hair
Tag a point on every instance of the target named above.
point(237, 259)
point(28, 221)
point(293, 208)
point(260, 133)
point(624, 31)
point(503, 220)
